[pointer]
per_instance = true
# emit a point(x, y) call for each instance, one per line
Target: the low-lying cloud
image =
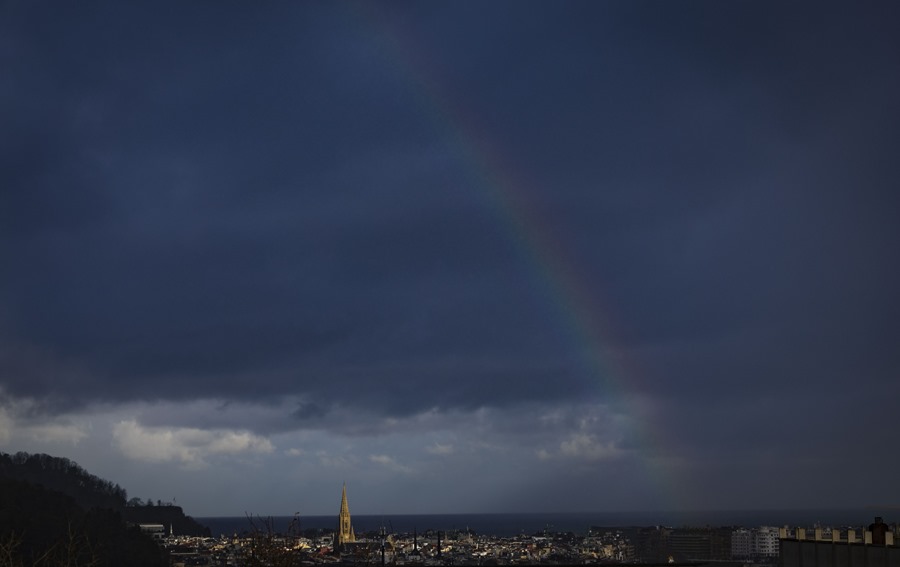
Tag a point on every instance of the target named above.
point(188, 447)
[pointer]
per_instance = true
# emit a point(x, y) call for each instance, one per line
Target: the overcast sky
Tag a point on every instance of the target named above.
point(466, 257)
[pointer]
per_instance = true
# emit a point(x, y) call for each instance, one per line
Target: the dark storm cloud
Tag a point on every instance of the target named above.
point(196, 200)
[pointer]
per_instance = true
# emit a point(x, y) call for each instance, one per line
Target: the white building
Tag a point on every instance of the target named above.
point(740, 544)
point(766, 542)
point(753, 543)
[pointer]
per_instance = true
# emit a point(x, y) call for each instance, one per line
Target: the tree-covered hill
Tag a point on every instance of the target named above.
point(90, 492)
point(65, 476)
point(41, 527)
point(53, 512)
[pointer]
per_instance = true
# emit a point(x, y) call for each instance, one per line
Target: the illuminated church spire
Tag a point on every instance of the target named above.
point(344, 533)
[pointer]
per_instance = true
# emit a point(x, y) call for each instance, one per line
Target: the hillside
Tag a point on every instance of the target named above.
point(51, 507)
point(90, 492)
point(65, 476)
point(46, 527)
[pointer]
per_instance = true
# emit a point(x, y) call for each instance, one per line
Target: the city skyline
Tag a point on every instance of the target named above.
point(477, 257)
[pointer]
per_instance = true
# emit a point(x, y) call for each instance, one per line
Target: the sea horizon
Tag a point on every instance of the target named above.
point(509, 524)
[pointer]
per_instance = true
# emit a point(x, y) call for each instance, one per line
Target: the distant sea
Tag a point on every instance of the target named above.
point(505, 525)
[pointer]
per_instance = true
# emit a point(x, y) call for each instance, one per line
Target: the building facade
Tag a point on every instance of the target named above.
point(766, 542)
point(872, 547)
point(740, 544)
point(755, 543)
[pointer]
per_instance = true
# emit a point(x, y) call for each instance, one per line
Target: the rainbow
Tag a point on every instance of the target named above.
point(581, 313)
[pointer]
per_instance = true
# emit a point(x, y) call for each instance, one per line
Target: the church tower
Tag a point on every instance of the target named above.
point(344, 533)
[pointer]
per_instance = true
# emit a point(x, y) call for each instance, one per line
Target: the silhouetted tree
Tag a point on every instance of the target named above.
point(268, 548)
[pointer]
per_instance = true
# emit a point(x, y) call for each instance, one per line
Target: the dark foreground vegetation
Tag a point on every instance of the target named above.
point(53, 513)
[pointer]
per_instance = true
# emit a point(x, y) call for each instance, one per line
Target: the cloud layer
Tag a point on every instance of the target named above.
point(638, 243)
